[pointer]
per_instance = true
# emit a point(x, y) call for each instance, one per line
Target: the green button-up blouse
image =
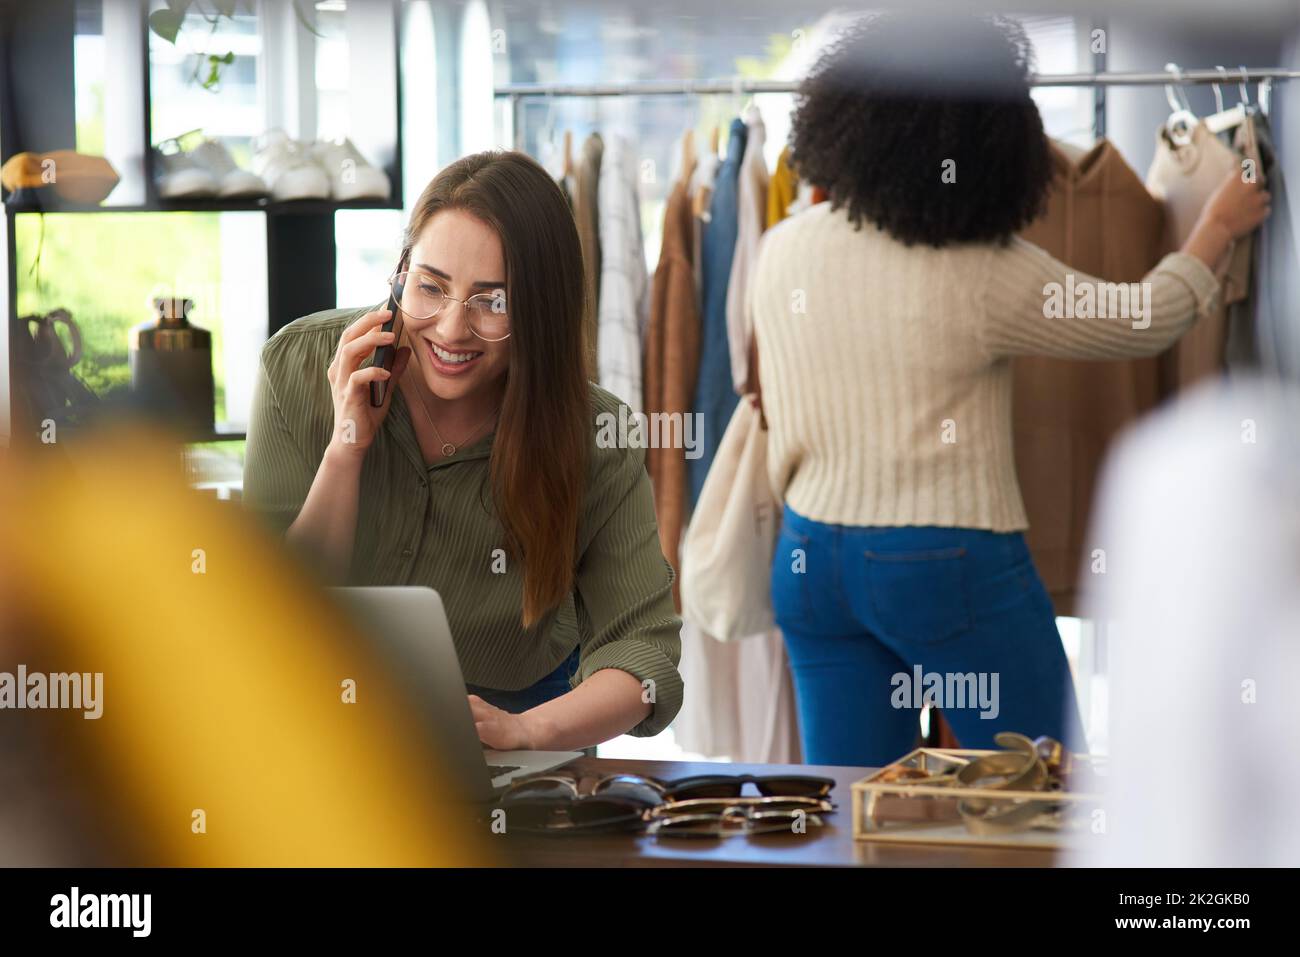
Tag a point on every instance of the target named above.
point(432, 525)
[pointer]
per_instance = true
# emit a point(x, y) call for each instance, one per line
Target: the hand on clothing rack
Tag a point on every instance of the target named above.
point(1236, 209)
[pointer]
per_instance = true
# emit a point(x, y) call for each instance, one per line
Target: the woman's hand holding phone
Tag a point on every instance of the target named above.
point(355, 420)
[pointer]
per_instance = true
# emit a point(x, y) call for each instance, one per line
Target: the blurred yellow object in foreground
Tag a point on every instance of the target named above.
point(223, 674)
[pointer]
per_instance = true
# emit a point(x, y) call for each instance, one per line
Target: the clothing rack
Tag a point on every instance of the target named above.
point(516, 93)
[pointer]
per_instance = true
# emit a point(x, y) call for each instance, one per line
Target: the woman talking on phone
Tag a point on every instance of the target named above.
point(479, 475)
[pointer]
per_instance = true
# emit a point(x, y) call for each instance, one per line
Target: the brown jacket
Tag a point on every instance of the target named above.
point(1101, 220)
point(672, 358)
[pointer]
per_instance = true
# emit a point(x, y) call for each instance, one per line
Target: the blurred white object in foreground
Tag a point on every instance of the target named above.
point(1198, 521)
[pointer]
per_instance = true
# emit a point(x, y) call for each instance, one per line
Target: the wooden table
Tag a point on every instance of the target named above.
point(828, 846)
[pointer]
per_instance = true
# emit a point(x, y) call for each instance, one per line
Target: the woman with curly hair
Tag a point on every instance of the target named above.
point(885, 322)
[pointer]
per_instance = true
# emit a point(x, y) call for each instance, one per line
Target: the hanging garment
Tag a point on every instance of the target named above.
point(739, 698)
point(1241, 346)
point(701, 186)
point(727, 555)
point(624, 284)
point(1184, 177)
point(751, 219)
point(1100, 220)
point(788, 194)
point(1263, 329)
point(672, 359)
point(782, 190)
point(714, 396)
point(586, 212)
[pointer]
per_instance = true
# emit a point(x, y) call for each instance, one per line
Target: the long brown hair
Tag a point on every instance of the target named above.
point(540, 453)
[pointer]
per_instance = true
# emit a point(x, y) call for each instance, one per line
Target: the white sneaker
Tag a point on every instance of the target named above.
point(179, 176)
point(289, 169)
point(351, 175)
point(231, 180)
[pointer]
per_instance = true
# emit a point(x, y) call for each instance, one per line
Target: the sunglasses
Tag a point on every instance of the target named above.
point(732, 786)
point(702, 805)
point(555, 804)
point(735, 817)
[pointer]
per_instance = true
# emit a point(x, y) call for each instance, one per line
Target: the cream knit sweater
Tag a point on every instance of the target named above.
point(886, 371)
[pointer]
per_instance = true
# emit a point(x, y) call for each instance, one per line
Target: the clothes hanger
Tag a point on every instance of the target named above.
point(546, 147)
point(1263, 92)
point(1227, 119)
point(748, 107)
point(738, 102)
point(688, 156)
point(1181, 120)
point(700, 204)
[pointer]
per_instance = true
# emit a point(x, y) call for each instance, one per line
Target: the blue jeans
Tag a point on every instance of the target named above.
point(879, 620)
point(543, 690)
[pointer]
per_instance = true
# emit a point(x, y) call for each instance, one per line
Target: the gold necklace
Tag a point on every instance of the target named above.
point(448, 449)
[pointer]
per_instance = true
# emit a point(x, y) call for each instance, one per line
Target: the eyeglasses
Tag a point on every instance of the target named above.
point(420, 297)
point(730, 817)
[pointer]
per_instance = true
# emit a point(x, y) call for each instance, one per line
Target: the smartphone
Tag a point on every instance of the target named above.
point(385, 355)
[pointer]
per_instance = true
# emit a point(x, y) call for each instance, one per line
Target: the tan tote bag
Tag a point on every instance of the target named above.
point(727, 556)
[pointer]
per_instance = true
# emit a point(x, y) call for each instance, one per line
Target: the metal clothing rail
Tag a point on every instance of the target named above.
point(742, 86)
point(516, 93)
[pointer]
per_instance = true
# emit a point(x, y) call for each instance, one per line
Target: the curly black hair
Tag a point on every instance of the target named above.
point(895, 98)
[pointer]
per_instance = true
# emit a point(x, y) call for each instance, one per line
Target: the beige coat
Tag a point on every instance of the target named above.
point(1101, 220)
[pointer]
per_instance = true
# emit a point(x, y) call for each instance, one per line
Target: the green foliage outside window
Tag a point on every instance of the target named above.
point(105, 267)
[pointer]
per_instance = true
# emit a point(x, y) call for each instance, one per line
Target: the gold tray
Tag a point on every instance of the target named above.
point(916, 812)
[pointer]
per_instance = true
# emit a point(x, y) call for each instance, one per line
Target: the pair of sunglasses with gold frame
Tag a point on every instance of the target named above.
point(716, 805)
point(738, 817)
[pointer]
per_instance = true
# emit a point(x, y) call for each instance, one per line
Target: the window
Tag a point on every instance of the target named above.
point(203, 256)
point(1066, 110)
point(368, 242)
point(232, 109)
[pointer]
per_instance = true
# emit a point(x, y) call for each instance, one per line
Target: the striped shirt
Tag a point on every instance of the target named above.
point(432, 525)
point(623, 309)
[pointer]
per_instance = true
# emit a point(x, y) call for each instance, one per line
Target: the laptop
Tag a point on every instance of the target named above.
point(408, 626)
